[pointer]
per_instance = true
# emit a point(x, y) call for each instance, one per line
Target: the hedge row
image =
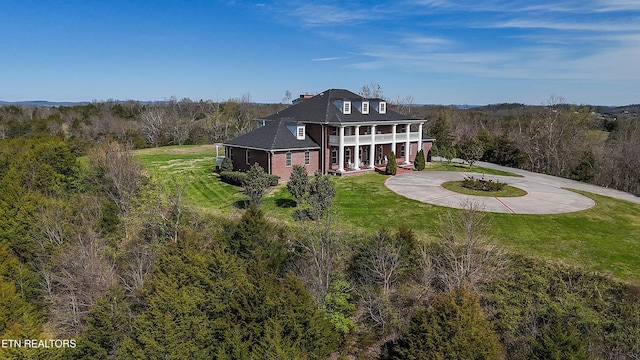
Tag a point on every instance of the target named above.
point(238, 178)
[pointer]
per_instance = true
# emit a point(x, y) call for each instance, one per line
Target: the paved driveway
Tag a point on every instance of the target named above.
point(545, 194)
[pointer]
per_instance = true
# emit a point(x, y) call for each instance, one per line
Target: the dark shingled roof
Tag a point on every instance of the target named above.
point(273, 136)
point(321, 110)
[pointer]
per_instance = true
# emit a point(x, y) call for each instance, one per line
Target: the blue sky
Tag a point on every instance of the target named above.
point(435, 51)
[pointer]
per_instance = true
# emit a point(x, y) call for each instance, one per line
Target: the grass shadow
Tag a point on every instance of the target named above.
point(241, 204)
point(285, 203)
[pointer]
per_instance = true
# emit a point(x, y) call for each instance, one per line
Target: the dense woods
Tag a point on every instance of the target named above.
point(94, 249)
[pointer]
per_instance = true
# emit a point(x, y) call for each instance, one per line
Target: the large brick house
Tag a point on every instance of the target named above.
point(334, 132)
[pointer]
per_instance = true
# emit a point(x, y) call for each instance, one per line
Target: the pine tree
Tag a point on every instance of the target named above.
point(226, 165)
point(298, 184)
point(392, 166)
point(256, 184)
point(419, 163)
point(453, 328)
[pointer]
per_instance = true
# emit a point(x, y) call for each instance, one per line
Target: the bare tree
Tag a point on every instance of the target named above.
point(371, 90)
point(153, 124)
point(380, 260)
point(117, 174)
point(318, 248)
point(464, 257)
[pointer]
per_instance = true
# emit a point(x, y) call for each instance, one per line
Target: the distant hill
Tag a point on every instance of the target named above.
point(43, 103)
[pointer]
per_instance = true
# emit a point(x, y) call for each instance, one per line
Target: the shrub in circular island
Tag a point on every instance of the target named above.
point(486, 188)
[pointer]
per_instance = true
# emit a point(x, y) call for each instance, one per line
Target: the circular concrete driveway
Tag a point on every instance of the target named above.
point(542, 197)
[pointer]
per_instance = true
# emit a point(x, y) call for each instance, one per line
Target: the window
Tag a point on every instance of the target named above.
point(334, 156)
point(288, 159)
point(346, 107)
point(347, 156)
point(248, 157)
point(383, 107)
point(231, 154)
point(307, 157)
point(300, 133)
point(402, 150)
point(334, 130)
point(365, 107)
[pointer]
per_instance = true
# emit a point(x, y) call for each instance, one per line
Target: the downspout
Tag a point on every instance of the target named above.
point(323, 150)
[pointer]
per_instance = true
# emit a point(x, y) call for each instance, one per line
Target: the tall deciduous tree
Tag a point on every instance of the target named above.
point(118, 175)
point(464, 256)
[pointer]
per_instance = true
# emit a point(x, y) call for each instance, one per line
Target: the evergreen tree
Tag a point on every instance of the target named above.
point(252, 230)
point(256, 184)
point(298, 184)
point(470, 150)
point(392, 166)
point(226, 165)
point(453, 328)
point(321, 195)
point(419, 163)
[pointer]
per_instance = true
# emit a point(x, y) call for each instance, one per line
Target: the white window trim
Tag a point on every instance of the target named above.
point(307, 157)
point(288, 159)
point(334, 156)
point(346, 107)
point(247, 156)
point(300, 133)
point(365, 107)
point(382, 107)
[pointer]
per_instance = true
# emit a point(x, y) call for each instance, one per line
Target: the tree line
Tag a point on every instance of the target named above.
point(574, 142)
point(556, 138)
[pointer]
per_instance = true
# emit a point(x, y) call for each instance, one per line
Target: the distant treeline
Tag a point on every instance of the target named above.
point(599, 145)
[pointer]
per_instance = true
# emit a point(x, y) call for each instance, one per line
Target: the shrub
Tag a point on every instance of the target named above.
point(233, 177)
point(419, 162)
point(273, 179)
point(238, 178)
point(226, 165)
point(482, 184)
point(392, 166)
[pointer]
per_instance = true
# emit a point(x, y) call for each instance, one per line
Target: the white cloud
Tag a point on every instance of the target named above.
point(330, 58)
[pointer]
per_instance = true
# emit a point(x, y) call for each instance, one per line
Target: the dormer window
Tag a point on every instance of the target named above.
point(365, 107)
point(346, 107)
point(300, 132)
point(382, 109)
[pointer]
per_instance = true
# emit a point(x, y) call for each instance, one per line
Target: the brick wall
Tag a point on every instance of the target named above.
point(279, 166)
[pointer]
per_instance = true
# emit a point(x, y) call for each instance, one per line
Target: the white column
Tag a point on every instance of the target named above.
point(393, 138)
point(356, 165)
point(341, 150)
point(419, 137)
point(407, 144)
point(372, 147)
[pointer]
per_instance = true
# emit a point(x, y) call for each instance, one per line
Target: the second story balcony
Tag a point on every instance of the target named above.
point(350, 140)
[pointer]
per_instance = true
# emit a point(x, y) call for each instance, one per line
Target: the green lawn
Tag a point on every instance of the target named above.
point(605, 238)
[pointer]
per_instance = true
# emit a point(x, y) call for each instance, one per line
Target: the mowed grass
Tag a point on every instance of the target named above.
point(191, 168)
point(605, 238)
